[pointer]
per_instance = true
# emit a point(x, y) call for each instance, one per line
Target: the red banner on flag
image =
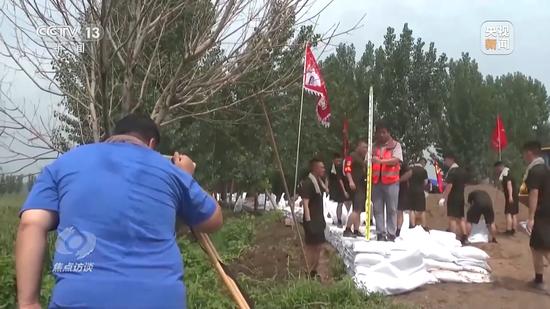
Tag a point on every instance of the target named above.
point(315, 84)
point(499, 140)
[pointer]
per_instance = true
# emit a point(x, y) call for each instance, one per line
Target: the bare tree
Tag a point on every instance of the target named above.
point(163, 57)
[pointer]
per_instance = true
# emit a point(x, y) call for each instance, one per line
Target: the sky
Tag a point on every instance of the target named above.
point(454, 26)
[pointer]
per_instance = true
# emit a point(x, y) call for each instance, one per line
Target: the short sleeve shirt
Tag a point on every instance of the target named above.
point(418, 178)
point(457, 177)
point(358, 169)
point(117, 205)
point(480, 199)
point(539, 178)
point(315, 199)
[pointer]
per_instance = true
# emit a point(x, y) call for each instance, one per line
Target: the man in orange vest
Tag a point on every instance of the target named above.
point(386, 159)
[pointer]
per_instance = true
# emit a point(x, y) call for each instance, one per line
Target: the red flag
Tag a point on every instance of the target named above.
point(499, 140)
point(345, 137)
point(438, 174)
point(315, 84)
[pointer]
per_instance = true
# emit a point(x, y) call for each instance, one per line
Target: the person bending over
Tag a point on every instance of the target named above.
point(481, 205)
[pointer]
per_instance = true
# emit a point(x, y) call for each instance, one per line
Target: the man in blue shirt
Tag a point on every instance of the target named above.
point(114, 205)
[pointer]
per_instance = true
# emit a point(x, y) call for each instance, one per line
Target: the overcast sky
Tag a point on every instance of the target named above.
point(453, 25)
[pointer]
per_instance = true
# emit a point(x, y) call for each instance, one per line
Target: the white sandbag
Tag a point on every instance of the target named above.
point(368, 259)
point(480, 233)
point(438, 265)
point(473, 262)
point(239, 205)
point(378, 247)
point(448, 276)
point(396, 275)
point(446, 239)
point(471, 277)
point(437, 252)
point(415, 235)
point(469, 252)
point(475, 269)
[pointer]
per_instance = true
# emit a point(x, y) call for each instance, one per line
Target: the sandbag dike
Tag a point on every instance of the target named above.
point(415, 258)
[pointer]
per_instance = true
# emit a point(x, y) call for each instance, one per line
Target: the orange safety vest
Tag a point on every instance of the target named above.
point(389, 173)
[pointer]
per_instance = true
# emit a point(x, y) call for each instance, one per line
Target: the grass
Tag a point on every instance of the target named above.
point(204, 289)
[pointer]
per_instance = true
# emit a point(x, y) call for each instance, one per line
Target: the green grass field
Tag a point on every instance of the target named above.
point(203, 286)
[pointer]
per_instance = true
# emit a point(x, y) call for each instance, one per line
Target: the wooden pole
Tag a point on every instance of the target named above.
point(282, 172)
point(210, 250)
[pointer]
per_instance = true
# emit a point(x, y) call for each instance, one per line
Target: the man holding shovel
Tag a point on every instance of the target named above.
point(114, 205)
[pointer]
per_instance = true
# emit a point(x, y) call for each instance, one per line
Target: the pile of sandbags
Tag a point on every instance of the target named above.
point(415, 258)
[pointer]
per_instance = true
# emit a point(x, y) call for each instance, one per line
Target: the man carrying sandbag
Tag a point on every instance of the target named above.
point(481, 205)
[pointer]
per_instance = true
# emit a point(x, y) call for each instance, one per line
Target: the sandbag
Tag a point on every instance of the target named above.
point(475, 263)
point(437, 265)
point(437, 252)
point(475, 269)
point(471, 277)
point(448, 276)
point(480, 233)
point(368, 259)
point(397, 275)
point(469, 252)
point(378, 247)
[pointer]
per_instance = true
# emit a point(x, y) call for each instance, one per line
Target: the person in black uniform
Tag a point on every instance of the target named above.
point(314, 224)
point(357, 184)
point(481, 205)
point(417, 197)
point(511, 196)
point(537, 180)
point(453, 197)
point(403, 203)
point(338, 187)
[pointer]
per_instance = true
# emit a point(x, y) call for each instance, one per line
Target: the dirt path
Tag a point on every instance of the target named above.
point(511, 263)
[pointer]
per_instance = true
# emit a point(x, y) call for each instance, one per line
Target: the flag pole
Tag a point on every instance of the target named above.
point(299, 128)
point(368, 193)
point(499, 144)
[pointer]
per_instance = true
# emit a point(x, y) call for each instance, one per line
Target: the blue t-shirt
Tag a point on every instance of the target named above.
point(116, 246)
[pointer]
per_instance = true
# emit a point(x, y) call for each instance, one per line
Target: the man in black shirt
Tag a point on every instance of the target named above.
point(481, 205)
point(417, 196)
point(403, 203)
point(453, 196)
point(511, 199)
point(537, 179)
point(338, 188)
point(314, 221)
point(357, 184)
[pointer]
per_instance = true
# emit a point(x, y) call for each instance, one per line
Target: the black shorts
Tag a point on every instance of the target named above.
point(475, 212)
point(314, 232)
point(403, 203)
point(540, 236)
point(455, 209)
point(358, 198)
point(417, 201)
point(512, 209)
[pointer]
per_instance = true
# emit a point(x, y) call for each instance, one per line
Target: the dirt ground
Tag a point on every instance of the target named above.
point(276, 255)
point(510, 261)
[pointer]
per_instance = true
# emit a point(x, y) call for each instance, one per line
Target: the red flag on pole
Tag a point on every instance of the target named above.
point(439, 176)
point(345, 137)
point(499, 140)
point(315, 84)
